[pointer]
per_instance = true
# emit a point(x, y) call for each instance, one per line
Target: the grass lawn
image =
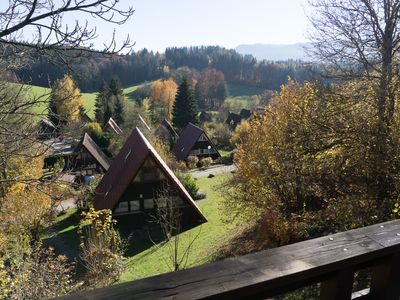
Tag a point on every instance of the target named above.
point(67, 226)
point(143, 259)
point(153, 260)
point(41, 108)
point(224, 153)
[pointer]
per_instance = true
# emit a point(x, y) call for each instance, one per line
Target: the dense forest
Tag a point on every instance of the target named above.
point(145, 65)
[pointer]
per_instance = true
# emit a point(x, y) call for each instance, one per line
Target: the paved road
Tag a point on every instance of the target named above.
point(213, 170)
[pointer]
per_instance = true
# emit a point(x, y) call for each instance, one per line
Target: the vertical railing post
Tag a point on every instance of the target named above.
point(338, 287)
point(385, 283)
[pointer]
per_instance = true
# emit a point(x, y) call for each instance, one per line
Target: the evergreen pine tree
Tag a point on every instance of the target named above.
point(108, 113)
point(101, 102)
point(119, 110)
point(116, 87)
point(185, 109)
point(117, 100)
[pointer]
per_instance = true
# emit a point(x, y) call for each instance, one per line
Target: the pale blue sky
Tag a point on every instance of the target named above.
point(158, 24)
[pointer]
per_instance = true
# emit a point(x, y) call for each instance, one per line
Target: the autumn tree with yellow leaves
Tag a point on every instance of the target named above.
point(307, 165)
point(66, 102)
point(163, 96)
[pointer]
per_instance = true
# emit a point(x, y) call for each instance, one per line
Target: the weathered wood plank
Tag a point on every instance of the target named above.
point(266, 273)
point(339, 286)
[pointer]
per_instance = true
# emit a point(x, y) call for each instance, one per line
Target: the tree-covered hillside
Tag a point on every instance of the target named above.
point(146, 65)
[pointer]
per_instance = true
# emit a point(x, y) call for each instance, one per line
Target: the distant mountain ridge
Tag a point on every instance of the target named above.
point(274, 52)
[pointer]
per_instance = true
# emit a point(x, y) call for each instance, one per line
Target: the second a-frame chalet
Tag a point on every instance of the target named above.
point(130, 186)
point(88, 158)
point(193, 141)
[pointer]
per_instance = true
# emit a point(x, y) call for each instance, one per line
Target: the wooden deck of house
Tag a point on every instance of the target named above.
point(330, 260)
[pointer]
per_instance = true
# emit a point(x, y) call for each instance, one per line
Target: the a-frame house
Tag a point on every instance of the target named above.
point(166, 132)
point(193, 141)
point(134, 181)
point(112, 126)
point(88, 159)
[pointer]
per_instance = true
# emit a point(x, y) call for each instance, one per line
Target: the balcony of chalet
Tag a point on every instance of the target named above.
point(331, 262)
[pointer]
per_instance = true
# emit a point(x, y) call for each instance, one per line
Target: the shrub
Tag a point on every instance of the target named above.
point(189, 183)
point(40, 274)
point(192, 161)
point(206, 162)
point(181, 166)
point(92, 128)
point(102, 247)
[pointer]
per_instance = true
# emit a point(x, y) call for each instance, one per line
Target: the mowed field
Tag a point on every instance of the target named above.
point(43, 94)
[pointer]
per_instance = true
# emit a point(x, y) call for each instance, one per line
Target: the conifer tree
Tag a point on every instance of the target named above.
point(101, 102)
point(116, 100)
point(108, 112)
point(119, 110)
point(116, 87)
point(185, 108)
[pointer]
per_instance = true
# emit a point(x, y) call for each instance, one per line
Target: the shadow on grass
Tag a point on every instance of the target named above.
point(145, 238)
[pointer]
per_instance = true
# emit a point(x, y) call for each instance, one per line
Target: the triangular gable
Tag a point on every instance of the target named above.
point(94, 150)
point(186, 141)
point(124, 169)
point(113, 125)
point(167, 125)
point(189, 136)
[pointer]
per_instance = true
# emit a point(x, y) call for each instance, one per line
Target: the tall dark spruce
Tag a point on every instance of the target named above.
point(185, 108)
point(101, 102)
point(117, 97)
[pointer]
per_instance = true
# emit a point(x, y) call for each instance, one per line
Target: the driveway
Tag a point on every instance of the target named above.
point(214, 170)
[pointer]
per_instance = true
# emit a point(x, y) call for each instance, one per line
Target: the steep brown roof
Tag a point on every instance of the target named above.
point(125, 167)
point(94, 150)
point(114, 126)
point(167, 125)
point(186, 141)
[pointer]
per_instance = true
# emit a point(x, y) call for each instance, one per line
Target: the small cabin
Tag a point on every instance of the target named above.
point(88, 159)
point(233, 120)
point(205, 117)
point(112, 126)
point(166, 132)
point(47, 130)
point(193, 141)
point(245, 114)
point(133, 183)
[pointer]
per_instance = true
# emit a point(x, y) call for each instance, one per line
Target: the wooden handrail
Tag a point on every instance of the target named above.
point(330, 260)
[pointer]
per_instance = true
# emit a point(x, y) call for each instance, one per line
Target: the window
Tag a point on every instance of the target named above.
point(202, 138)
point(122, 207)
point(135, 205)
point(148, 203)
point(150, 172)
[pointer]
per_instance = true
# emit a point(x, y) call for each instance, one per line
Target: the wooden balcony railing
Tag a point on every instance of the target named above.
point(330, 260)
